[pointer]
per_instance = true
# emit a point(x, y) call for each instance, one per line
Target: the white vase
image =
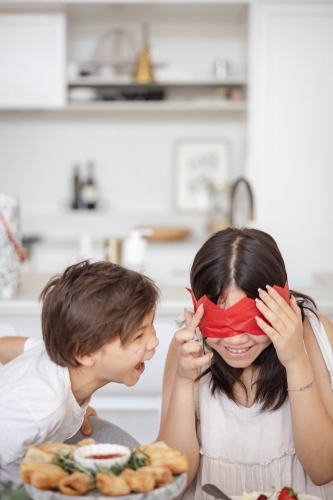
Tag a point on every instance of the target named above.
point(10, 277)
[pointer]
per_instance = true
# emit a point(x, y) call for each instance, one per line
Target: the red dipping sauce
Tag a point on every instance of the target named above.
point(110, 455)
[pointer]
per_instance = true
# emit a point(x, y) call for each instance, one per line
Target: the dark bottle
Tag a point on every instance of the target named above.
point(89, 189)
point(76, 202)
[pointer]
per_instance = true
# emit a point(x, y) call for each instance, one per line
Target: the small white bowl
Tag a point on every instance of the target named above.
point(93, 456)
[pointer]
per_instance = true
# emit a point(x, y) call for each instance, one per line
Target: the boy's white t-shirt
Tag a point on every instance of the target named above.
point(36, 404)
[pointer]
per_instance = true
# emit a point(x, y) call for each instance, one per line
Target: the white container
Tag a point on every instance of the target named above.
point(84, 455)
point(10, 257)
point(134, 248)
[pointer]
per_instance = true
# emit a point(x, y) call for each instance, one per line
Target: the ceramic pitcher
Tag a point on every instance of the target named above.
point(10, 249)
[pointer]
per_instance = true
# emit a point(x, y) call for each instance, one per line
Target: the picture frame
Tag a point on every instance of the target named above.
point(199, 165)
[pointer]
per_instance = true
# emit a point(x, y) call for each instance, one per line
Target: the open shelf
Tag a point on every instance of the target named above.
point(97, 81)
point(200, 105)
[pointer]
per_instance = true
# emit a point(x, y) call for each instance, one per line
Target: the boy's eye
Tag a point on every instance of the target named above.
point(138, 337)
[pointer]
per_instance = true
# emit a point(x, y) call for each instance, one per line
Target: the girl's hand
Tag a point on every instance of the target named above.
point(286, 330)
point(188, 350)
point(86, 427)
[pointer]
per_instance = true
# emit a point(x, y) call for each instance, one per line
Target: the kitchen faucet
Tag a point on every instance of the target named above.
point(233, 200)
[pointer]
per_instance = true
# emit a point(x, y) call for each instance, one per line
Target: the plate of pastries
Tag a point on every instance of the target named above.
point(94, 471)
point(285, 493)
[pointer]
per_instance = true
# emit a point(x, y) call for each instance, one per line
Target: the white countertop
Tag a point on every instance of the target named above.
point(173, 298)
point(26, 303)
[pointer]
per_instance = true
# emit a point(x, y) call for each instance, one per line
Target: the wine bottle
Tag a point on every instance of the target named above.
point(89, 189)
point(76, 187)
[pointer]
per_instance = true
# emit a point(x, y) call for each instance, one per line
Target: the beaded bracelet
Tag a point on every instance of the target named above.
point(301, 388)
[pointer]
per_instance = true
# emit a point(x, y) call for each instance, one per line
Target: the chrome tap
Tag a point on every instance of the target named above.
point(233, 200)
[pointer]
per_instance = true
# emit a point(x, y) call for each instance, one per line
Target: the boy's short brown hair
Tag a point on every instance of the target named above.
point(91, 304)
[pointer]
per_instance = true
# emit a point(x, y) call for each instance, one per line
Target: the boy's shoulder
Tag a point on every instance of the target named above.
point(33, 374)
point(33, 342)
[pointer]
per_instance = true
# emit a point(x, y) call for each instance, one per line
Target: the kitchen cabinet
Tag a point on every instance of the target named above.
point(32, 60)
point(290, 129)
point(188, 40)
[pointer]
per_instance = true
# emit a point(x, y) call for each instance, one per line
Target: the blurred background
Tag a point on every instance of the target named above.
point(130, 131)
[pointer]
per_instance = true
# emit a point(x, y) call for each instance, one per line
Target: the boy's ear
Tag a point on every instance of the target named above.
point(85, 360)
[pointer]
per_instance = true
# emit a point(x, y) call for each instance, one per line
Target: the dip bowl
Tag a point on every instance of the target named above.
point(103, 455)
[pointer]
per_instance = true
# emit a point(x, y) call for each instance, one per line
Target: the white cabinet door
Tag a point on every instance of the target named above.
point(32, 61)
point(291, 126)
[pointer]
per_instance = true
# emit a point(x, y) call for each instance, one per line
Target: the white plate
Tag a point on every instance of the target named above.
point(300, 496)
point(167, 492)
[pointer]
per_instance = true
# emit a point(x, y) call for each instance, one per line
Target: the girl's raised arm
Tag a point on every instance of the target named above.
point(309, 387)
point(178, 420)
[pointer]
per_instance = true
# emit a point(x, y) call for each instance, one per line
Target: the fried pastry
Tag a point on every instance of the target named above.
point(66, 449)
point(162, 475)
point(86, 441)
point(26, 469)
point(140, 481)
point(176, 462)
point(112, 485)
point(47, 476)
point(160, 455)
point(35, 455)
point(77, 483)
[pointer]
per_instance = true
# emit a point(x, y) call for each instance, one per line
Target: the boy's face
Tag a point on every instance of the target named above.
point(125, 363)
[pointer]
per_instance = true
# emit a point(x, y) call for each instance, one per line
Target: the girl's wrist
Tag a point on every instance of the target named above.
point(299, 372)
point(299, 365)
point(184, 381)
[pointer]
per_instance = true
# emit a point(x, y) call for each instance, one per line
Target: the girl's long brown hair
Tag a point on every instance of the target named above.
point(248, 259)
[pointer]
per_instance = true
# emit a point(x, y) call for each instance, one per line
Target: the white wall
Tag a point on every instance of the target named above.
point(133, 155)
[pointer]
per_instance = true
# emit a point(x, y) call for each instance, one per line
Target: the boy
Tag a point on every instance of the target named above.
point(97, 325)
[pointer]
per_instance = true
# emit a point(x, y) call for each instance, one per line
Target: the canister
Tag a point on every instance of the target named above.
point(11, 254)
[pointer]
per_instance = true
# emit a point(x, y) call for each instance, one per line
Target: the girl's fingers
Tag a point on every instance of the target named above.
point(270, 332)
point(183, 336)
point(278, 314)
point(193, 320)
point(294, 306)
point(203, 360)
point(271, 316)
point(275, 302)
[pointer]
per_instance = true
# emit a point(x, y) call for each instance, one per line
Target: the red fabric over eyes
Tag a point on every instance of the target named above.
point(239, 318)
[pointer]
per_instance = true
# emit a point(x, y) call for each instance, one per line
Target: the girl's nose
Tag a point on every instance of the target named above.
point(239, 339)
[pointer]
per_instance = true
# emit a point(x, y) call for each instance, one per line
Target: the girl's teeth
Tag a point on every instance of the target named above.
point(237, 351)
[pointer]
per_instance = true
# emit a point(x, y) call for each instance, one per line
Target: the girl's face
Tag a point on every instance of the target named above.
point(241, 350)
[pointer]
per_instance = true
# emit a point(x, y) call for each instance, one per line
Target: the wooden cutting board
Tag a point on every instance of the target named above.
point(165, 233)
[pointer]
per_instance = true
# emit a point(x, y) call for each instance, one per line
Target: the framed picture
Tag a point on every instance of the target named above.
point(201, 164)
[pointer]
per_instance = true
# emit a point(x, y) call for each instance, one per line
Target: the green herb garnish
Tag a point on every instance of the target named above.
point(70, 465)
point(135, 462)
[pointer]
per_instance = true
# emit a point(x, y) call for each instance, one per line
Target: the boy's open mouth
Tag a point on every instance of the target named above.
point(140, 367)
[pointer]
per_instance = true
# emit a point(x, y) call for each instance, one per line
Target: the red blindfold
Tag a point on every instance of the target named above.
point(239, 318)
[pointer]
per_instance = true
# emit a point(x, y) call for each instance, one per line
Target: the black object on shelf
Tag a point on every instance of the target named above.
point(89, 189)
point(134, 94)
point(76, 188)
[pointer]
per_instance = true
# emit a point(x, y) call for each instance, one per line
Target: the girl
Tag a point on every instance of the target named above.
point(259, 415)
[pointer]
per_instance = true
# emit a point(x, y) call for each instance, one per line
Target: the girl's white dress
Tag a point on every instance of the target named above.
point(244, 450)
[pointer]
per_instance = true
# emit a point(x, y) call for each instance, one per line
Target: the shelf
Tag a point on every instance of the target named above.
point(133, 106)
point(139, 106)
point(95, 81)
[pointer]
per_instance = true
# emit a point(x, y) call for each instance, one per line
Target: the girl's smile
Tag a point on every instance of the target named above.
point(241, 350)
